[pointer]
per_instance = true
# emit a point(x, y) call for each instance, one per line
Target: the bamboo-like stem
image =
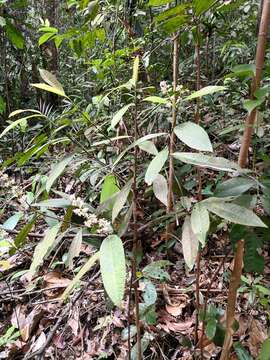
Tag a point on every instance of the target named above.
point(172, 136)
point(260, 56)
point(232, 296)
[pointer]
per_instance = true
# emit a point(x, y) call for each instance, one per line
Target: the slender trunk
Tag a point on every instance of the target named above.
point(198, 72)
point(172, 136)
point(260, 56)
point(232, 296)
point(136, 242)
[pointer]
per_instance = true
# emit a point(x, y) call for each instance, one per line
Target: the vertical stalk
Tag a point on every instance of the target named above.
point(136, 244)
point(260, 55)
point(198, 71)
point(172, 136)
point(199, 174)
point(232, 296)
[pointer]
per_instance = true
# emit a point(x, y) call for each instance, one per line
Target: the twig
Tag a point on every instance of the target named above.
point(64, 314)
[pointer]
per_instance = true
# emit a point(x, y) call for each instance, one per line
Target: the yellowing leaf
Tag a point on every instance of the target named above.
point(190, 243)
point(49, 89)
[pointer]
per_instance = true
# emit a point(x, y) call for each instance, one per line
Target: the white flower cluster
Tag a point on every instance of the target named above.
point(91, 220)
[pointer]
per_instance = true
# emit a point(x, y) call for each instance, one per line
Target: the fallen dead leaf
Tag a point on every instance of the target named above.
point(258, 334)
point(175, 310)
point(54, 278)
point(39, 342)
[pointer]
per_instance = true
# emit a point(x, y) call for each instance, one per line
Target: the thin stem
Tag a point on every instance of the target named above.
point(135, 249)
point(232, 296)
point(172, 136)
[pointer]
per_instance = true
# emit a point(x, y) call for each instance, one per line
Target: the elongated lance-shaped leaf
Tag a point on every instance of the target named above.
point(43, 249)
point(193, 136)
point(113, 268)
point(51, 80)
point(120, 200)
point(49, 88)
point(119, 115)
point(85, 268)
point(200, 222)
point(205, 91)
point(155, 166)
point(74, 249)
point(208, 161)
point(160, 188)
point(190, 243)
point(19, 122)
point(232, 212)
point(57, 170)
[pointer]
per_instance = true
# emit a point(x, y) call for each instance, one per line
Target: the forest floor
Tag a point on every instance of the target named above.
point(88, 327)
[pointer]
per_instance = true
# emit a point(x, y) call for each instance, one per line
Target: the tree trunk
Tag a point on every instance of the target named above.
point(260, 55)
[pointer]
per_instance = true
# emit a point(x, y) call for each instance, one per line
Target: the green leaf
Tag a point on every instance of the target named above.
point(174, 24)
point(21, 236)
point(156, 100)
point(205, 91)
point(200, 222)
point(232, 212)
point(85, 268)
point(120, 200)
point(149, 147)
point(190, 244)
point(250, 105)
point(43, 249)
point(193, 136)
point(155, 270)
point(234, 187)
point(18, 122)
point(210, 329)
point(177, 10)
point(45, 37)
point(155, 166)
point(149, 293)
point(207, 161)
point(12, 222)
point(14, 35)
point(119, 115)
point(19, 111)
point(113, 268)
point(56, 171)
point(160, 188)
point(137, 143)
point(241, 352)
point(2, 105)
point(159, 2)
point(74, 249)
point(244, 70)
point(54, 203)
point(201, 6)
point(109, 187)
point(49, 89)
point(253, 261)
point(265, 352)
point(51, 80)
